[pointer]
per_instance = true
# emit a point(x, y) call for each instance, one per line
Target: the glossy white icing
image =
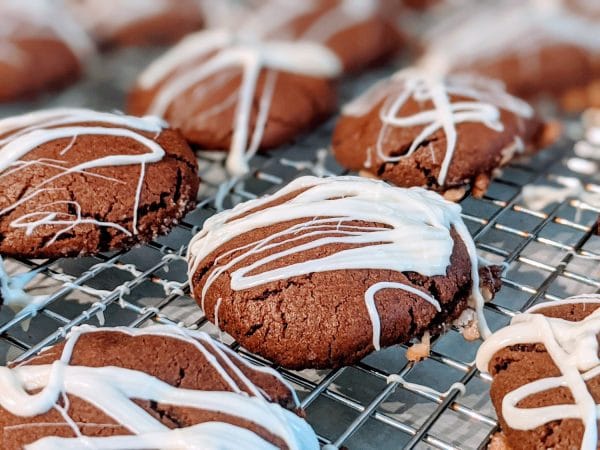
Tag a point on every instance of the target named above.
point(573, 347)
point(41, 18)
point(481, 102)
point(414, 236)
point(485, 31)
point(21, 134)
point(13, 295)
point(215, 52)
point(113, 389)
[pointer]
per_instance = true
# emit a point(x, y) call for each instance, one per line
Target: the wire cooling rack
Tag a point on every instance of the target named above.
point(549, 255)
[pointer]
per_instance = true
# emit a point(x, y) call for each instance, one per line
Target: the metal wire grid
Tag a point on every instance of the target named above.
point(547, 255)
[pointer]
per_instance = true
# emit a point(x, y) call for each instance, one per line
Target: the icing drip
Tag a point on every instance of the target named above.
point(484, 32)
point(573, 347)
point(221, 50)
point(414, 236)
point(484, 99)
point(112, 390)
point(22, 134)
point(42, 18)
point(13, 295)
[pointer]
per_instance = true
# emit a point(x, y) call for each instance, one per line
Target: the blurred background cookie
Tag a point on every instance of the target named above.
point(137, 22)
point(41, 48)
point(537, 48)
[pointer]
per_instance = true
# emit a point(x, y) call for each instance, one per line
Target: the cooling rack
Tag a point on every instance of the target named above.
point(549, 254)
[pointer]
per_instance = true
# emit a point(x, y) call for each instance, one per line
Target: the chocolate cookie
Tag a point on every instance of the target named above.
point(546, 377)
point(224, 92)
point(415, 129)
point(327, 270)
point(561, 58)
point(360, 33)
point(137, 22)
point(77, 182)
point(147, 388)
point(40, 48)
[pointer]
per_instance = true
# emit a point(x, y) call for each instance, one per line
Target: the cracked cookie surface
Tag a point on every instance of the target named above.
point(77, 182)
point(285, 290)
point(414, 129)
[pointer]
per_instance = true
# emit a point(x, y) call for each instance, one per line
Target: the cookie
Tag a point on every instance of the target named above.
point(415, 129)
point(545, 369)
point(137, 22)
point(561, 59)
point(142, 388)
point(227, 93)
point(327, 270)
point(41, 48)
point(362, 34)
point(78, 182)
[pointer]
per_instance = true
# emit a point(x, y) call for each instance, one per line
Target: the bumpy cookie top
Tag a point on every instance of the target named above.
point(230, 389)
point(413, 233)
point(443, 104)
point(69, 170)
point(573, 348)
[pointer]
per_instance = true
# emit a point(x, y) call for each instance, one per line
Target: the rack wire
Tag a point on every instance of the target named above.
point(549, 255)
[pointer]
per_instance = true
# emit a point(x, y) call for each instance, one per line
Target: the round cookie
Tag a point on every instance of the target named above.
point(360, 33)
point(415, 129)
point(41, 48)
point(546, 375)
point(147, 388)
point(77, 182)
point(137, 22)
point(226, 92)
point(561, 58)
point(327, 270)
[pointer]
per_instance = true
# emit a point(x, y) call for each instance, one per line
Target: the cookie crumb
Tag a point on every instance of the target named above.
point(455, 194)
point(419, 350)
point(498, 442)
point(468, 325)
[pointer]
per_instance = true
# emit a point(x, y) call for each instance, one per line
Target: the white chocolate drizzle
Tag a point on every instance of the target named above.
point(414, 235)
point(113, 389)
point(480, 101)
point(21, 134)
point(573, 347)
point(217, 52)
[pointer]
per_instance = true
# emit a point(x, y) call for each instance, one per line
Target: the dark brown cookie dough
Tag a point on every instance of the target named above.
point(69, 192)
point(491, 129)
point(40, 49)
point(150, 22)
point(194, 363)
point(319, 319)
point(225, 92)
point(515, 366)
